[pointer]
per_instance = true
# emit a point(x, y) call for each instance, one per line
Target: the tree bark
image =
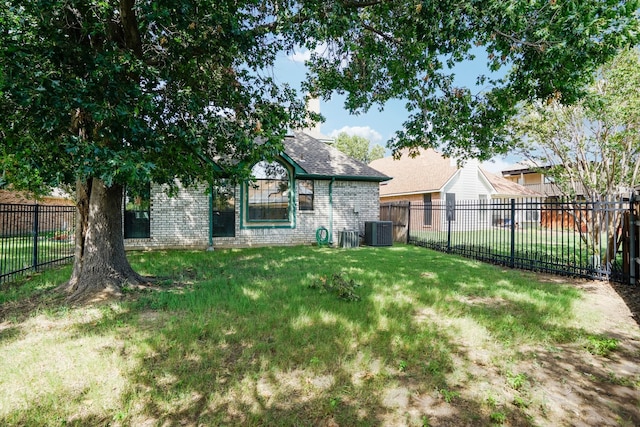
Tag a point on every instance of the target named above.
point(101, 268)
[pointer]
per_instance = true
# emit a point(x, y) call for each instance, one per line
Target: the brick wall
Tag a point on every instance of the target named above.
point(182, 221)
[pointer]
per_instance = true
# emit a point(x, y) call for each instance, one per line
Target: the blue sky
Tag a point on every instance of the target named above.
point(378, 127)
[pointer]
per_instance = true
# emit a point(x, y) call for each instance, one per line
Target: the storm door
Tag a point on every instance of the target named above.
point(224, 211)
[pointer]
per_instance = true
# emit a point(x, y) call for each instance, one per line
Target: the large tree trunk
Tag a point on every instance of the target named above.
point(100, 267)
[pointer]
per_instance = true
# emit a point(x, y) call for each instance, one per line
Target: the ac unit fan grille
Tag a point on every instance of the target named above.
point(378, 233)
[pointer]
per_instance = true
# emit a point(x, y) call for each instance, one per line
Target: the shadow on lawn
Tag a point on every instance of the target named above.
point(244, 340)
point(257, 353)
point(631, 296)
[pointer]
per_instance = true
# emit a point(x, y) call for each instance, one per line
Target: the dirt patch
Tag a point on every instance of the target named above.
point(631, 297)
point(574, 384)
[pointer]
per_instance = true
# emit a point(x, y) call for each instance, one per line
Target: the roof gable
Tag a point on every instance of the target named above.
point(316, 159)
point(430, 172)
point(424, 173)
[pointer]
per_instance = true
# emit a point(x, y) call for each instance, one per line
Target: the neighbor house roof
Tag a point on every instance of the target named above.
point(505, 187)
point(427, 172)
point(17, 197)
point(523, 167)
point(313, 158)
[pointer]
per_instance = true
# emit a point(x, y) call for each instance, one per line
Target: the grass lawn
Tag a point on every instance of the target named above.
point(16, 253)
point(526, 238)
point(560, 250)
point(263, 337)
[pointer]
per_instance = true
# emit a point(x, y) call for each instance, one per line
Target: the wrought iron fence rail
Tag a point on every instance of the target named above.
point(33, 237)
point(577, 238)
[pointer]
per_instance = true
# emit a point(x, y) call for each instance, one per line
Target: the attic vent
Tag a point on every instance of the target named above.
point(378, 233)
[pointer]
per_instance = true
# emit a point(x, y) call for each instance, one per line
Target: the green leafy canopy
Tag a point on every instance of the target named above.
point(358, 147)
point(137, 90)
point(407, 50)
point(130, 90)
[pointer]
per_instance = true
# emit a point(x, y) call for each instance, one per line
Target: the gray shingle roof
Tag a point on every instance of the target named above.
point(319, 159)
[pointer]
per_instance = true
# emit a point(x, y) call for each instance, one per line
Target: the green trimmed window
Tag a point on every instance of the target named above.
point(137, 212)
point(269, 195)
point(305, 195)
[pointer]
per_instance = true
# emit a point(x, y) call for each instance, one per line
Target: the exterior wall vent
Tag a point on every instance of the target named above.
point(378, 233)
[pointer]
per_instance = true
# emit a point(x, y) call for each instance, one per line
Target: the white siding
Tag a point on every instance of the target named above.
point(468, 183)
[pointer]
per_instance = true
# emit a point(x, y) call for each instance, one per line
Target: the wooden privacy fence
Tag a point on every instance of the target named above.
point(399, 214)
point(596, 240)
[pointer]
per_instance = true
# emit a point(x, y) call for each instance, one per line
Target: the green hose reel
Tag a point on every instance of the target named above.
point(322, 236)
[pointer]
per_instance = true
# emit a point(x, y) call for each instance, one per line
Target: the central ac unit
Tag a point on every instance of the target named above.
point(378, 233)
point(349, 239)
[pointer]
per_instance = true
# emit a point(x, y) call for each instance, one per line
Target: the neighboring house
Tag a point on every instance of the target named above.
point(432, 180)
point(20, 212)
point(429, 176)
point(534, 179)
point(311, 186)
point(57, 198)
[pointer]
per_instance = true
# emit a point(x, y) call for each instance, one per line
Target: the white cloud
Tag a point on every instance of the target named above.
point(364, 131)
point(300, 56)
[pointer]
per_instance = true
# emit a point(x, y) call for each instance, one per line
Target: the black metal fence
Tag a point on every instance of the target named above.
point(578, 238)
point(34, 236)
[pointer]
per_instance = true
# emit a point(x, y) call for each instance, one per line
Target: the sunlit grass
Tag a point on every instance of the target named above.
point(241, 337)
point(16, 253)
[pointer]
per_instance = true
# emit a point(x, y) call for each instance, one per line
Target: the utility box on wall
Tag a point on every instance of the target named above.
point(378, 233)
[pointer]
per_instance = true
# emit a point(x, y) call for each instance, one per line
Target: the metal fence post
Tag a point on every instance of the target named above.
point(513, 233)
point(35, 236)
point(632, 239)
point(408, 220)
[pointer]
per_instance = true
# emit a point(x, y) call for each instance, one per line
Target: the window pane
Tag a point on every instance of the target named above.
point(427, 209)
point(269, 194)
point(137, 212)
point(305, 195)
point(224, 215)
point(266, 170)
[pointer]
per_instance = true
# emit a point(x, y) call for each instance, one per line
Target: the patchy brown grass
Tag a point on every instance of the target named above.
point(241, 338)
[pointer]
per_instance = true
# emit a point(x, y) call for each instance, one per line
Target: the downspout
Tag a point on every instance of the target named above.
point(210, 248)
point(333, 179)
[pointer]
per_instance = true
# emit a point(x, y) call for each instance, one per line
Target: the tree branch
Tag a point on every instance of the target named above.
point(130, 27)
point(361, 4)
point(381, 34)
point(536, 45)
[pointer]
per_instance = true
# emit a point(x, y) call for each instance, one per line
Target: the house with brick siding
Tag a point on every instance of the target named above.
point(429, 177)
point(432, 181)
point(310, 188)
